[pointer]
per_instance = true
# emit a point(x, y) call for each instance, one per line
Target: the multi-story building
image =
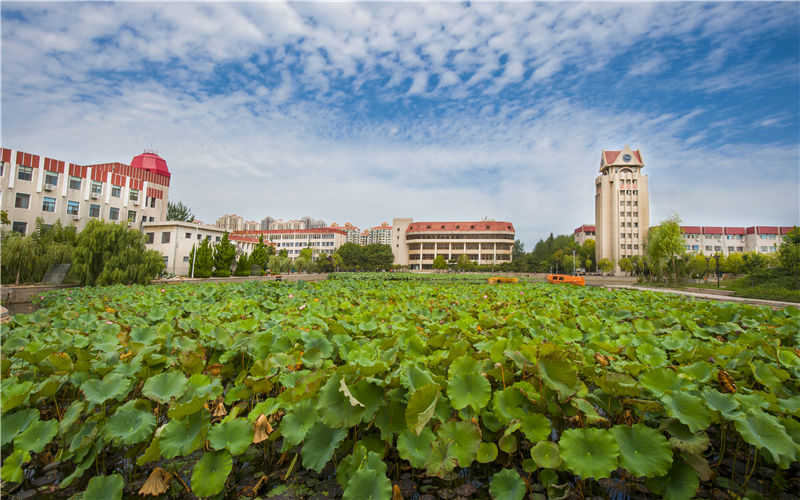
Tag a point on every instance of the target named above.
point(622, 205)
point(269, 223)
point(233, 222)
point(417, 244)
point(709, 240)
point(324, 240)
point(34, 186)
point(174, 240)
point(380, 234)
point(583, 233)
point(353, 233)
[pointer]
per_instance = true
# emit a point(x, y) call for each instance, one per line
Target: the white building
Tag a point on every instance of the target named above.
point(325, 240)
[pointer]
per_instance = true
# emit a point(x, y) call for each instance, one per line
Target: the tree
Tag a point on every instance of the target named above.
point(307, 254)
point(204, 266)
point(377, 257)
point(108, 253)
point(242, 266)
point(4, 217)
point(789, 254)
point(180, 212)
point(755, 265)
point(588, 253)
point(19, 257)
point(258, 257)
point(605, 265)
point(665, 245)
point(224, 253)
point(626, 265)
point(517, 251)
point(464, 263)
point(352, 255)
point(697, 265)
point(735, 263)
point(283, 253)
point(440, 263)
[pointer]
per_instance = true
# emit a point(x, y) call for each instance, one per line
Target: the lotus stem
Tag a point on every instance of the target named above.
point(722, 449)
point(752, 469)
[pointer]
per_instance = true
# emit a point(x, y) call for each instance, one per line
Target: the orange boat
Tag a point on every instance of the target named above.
point(566, 278)
point(495, 280)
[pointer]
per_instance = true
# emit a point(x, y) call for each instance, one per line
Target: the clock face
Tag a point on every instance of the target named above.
point(626, 157)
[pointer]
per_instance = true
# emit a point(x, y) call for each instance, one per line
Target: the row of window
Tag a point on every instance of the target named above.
point(165, 237)
point(629, 235)
point(306, 236)
point(628, 203)
point(623, 225)
point(628, 214)
point(487, 257)
point(460, 237)
point(629, 246)
point(22, 200)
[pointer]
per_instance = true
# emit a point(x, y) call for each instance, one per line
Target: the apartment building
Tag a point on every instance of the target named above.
point(353, 233)
point(234, 222)
point(417, 244)
point(622, 205)
point(33, 186)
point(380, 234)
point(583, 233)
point(325, 240)
point(269, 223)
point(709, 240)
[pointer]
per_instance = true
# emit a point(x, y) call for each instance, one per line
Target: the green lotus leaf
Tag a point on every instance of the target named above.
point(559, 376)
point(700, 371)
point(416, 449)
point(350, 464)
point(112, 386)
point(129, 425)
point(211, 472)
point(725, 404)
point(618, 384)
point(546, 455)
point(165, 386)
point(11, 425)
point(36, 436)
point(71, 416)
point(12, 466)
point(234, 435)
point(644, 452)
point(181, 436)
point(507, 485)
point(368, 484)
point(589, 452)
point(689, 409)
point(651, 355)
point(681, 438)
point(469, 389)
point(536, 427)
point(508, 443)
point(421, 406)
point(441, 459)
point(320, 443)
point(334, 408)
point(181, 409)
point(142, 334)
point(390, 419)
point(661, 380)
point(466, 440)
point(297, 422)
point(510, 404)
point(764, 431)
point(104, 488)
point(151, 453)
point(14, 394)
point(417, 377)
point(679, 484)
point(487, 453)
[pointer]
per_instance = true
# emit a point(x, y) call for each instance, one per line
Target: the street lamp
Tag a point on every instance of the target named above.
point(573, 262)
point(707, 260)
point(716, 257)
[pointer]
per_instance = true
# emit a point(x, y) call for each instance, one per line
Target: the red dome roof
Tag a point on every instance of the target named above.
point(151, 162)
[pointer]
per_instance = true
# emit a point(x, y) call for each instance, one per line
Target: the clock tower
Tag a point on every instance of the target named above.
point(622, 205)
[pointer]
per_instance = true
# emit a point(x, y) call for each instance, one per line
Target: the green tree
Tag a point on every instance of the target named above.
point(588, 253)
point(464, 263)
point(283, 253)
point(224, 253)
point(4, 217)
point(337, 261)
point(205, 260)
point(352, 256)
point(626, 265)
point(605, 265)
point(377, 257)
point(179, 212)
point(789, 254)
point(19, 258)
point(307, 254)
point(258, 257)
point(517, 251)
point(697, 265)
point(440, 263)
point(242, 266)
point(735, 264)
point(755, 265)
point(665, 245)
point(108, 253)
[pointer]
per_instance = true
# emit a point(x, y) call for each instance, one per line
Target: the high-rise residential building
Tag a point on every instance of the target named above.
point(417, 244)
point(271, 224)
point(622, 205)
point(325, 240)
point(380, 234)
point(353, 233)
point(230, 223)
point(33, 186)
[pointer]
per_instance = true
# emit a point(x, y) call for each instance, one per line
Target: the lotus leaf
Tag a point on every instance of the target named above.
point(211, 472)
point(129, 425)
point(14, 394)
point(181, 436)
point(320, 443)
point(104, 488)
point(725, 404)
point(233, 435)
point(689, 409)
point(507, 485)
point(546, 455)
point(589, 452)
point(766, 432)
point(643, 451)
point(466, 440)
point(679, 484)
point(165, 386)
point(487, 453)
point(441, 459)
point(662, 380)
point(36, 436)
point(12, 466)
point(297, 421)
point(421, 406)
point(370, 481)
point(559, 376)
point(13, 424)
point(112, 386)
point(416, 449)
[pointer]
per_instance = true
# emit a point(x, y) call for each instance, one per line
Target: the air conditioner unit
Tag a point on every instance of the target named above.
point(95, 196)
point(49, 187)
point(136, 202)
point(76, 217)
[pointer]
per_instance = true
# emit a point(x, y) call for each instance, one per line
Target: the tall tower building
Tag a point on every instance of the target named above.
point(622, 205)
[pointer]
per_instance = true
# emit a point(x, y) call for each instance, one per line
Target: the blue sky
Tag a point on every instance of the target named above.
point(438, 111)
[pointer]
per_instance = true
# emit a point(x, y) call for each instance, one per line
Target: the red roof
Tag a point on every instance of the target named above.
point(482, 225)
point(690, 229)
point(712, 230)
point(585, 228)
point(611, 156)
point(766, 230)
point(151, 162)
point(316, 230)
point(734, 230)
point(786, 229)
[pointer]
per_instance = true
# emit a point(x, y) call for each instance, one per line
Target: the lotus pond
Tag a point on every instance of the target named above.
point(376, 389)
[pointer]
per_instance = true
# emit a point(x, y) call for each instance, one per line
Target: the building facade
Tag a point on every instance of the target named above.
point(234, 222)
point(324, 240)
point(622, 205)
point(174, 240)
point(34, 186)
point(270, 224)
point(709, 240)
point(417, 244)
point(583, 233)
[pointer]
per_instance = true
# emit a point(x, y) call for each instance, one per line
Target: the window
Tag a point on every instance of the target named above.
point(149, 238)
point(131, 215)
point(188, 235)
point(51, 178)
point(708, 248)
point(165, 237)
point(199, 237)
point(24, 173)
point(116, 191)
point(152, 203)
point(22, 200)
point(113, 213)
point(73, 207)
point(636, 214)
point(717, 248)
point(151, 219)
point(134, 196)
point(94, 210)
point(97, 189)
point(74, 182)
point(186, 258)
point(48, 204)
point(19, 227)
point(219, 238)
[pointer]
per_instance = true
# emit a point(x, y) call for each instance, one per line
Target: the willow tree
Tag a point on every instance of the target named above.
point(665, 245)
